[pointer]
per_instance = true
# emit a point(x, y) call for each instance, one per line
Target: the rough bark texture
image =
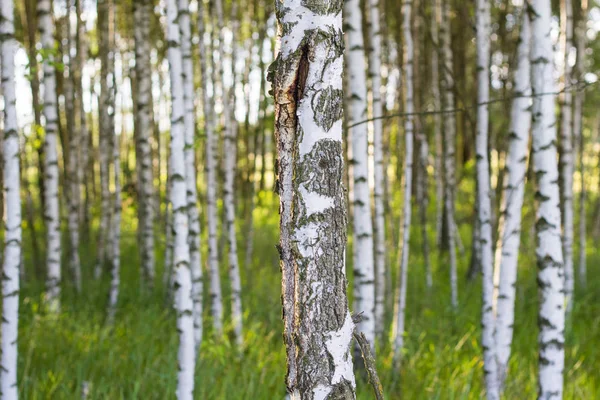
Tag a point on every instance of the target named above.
point(364, 277)
point(144, 129)
point(567, 159)
point(551, 316)
point(307, 80)
point(374, 31)
point(449, 127)
point(483, 28)
point(408, 174)
point(190, 167)
point(509, 236)
point(50, 112)
point(181, 256)
point(12, 222)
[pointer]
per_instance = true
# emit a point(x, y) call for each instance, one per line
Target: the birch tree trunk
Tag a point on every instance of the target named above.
point(12, 222)
point(106, 72)
point(550, 278)
point(115, 226)
point(437, 120)
point(189, 121)
point(144, 130)
point(364, 277)
point(408, 174)
point(374, 31)
point(449, 128)
point(308, 89)
point(578, 133)
point(50, 112)
point(181, 256)
point(216, 305)
point(230, 157)
point(567, 162)
point(509, 236)
point(483, 28)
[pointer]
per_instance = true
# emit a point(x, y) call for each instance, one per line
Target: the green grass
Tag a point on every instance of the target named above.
point(136, 358)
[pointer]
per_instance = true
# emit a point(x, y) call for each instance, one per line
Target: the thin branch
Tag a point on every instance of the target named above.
point(365, 349)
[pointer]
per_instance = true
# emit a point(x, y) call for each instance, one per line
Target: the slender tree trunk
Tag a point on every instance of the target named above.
point(50, 111)
point(190, 167)
point(216, 307)
point(551, 317)
point(230, 157)
point(374, 31)
point(144, 131)
point(437, 123)
point(308, 72)
point(181, 262)
point(449, 127)
point(578, 133)
point(567, 161)
point(364, 285)
point(483, 28)
point(104, 103)
point(12, 222)
point(407, 67)
point(509, 236)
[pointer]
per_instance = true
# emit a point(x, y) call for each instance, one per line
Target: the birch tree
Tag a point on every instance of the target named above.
point(50, 112)
point(308, 89)
point(449, 129)
point(550, 277)
point(364, 279)
point(567, 162)
point(483, 32)
point(144, 129)
point(437, 119)
point(408, 173)
point(181, 256)
point(189, 121)
point(374, 32)
point(509, 235)
point(12, 222)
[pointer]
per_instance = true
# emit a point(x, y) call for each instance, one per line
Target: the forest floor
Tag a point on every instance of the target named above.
point(136, 358)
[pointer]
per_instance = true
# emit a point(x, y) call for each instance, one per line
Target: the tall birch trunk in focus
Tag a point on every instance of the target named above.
point(364, 276)
point(550, 277)
point(144, 129)
point(509, 236)
point(374, 32)
point(567, 160)
point(12, 219)
point(580, 42)
point(189, 121)
point(484, 215)
point(409, 109)
point(181, 257)
point(50, 112)
point(308, 89)
point(449, 128)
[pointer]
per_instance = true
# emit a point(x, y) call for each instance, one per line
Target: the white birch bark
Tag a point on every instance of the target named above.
point(374, 31)
point(408, 173)
point(115, 226)
point(308, 88)
point(181, 256)
point(230, 157)
point(363, 264)
point(449, 129)
point(551, 316)
point(190, 166)
point(483, 32)
point(145, 128)
point(509, 235)
point(12, 200)
point(216, 298)
point(50, 112)
point(580, 42)
point(567, 163)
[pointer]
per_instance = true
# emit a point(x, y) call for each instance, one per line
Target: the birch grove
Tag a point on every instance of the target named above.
point(12, 203)
point(551, 272)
